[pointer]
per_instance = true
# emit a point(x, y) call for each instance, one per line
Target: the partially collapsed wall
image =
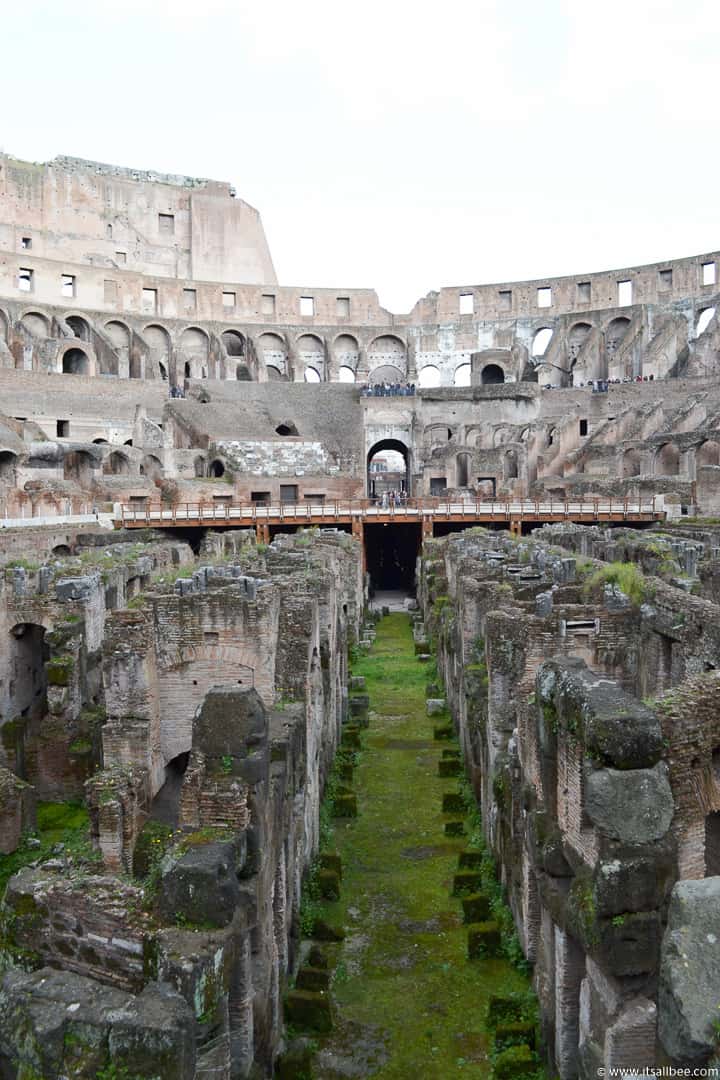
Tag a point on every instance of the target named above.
point(586, 701)
point(164, 945)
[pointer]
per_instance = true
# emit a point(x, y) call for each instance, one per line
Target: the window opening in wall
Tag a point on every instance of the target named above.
point(26, 243)
point(505, 299)
point(25, 279)
point(121, 257)
point(286, 429)
point(108, 232)
point(583, 427)
point(544, 297)
point(288, 493)
point(67, 285)
point(708, 273)
point(149, 300)
point(540, 341)
point(307, 305)
point(262, 498)
point(583, 292)
point(189, 299)
point(267, 305)
point(467, 303)
point(438, 485)
point(624, 293)
point(62, 428)
point(216, 468)
point(342, 307)
point(664, 280)
point(706, 317)
point(318, 498)
point(166, 224)
point(228, 300)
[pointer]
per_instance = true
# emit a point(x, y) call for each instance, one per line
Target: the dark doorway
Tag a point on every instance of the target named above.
point(391, 551)
point(712, 844)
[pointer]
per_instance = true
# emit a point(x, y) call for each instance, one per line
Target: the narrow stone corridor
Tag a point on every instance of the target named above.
point(408, 1002)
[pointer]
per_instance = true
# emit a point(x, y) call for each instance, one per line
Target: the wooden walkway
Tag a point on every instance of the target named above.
point(361, 512)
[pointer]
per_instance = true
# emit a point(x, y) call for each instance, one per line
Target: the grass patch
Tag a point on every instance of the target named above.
point(58, 823)
point(628, 577)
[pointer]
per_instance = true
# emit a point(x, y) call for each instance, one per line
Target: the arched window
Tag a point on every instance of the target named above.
point(346, 374)
point(540, 341)
point(462, 375)
point(429, 376)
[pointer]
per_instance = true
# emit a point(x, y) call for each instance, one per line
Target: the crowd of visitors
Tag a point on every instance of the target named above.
point(391, 499)
point(177, 391)
point(385, 389)
point(601, 386)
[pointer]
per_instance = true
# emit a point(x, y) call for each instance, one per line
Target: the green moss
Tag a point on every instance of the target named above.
point(59, 670)
point(414, 945)
point(57, 823)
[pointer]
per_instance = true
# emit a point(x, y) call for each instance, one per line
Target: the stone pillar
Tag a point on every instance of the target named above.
point(569, 971)
point(242, 1038)
point(630, 1041)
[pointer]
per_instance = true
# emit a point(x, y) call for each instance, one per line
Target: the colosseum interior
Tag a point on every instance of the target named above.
point(213, 489)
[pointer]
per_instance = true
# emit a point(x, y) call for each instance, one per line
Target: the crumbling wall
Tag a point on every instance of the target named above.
point(594, 801)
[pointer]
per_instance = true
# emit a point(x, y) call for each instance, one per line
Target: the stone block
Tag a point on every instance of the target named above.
point(315, 979)
point(476, 907)
point(453, 803)
point(345, 806)
point(324, 931)
point(516, 1062)
point(466, 881)
point(449, 767)
point(514, 1033)
point(470, 860)
point(634, 806)
point(689, 989)
point(308, 1010)
point(443, 731)
point(79, 588)
point(357, 682)
point(201, 887)
point(454, 828)
point(331, 860)
point(328, 880)
point(17, 811)
point(351, 737)
point(484, 940)
point(231, 731)
point(435, 706)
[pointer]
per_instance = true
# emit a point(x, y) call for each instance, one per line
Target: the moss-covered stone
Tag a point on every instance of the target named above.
point(517, 1063)
point(315, 979)
point(59, 670)
point(309, 1010)
point(510, 1009)
point(449, 767)
point(466, 881)
point(328, 884)
point(443, 731)
point(331, 860)
point(476, 907)
point(455, 827)
point(470, 860)
point(317, 958)
point(453, 803)
point(484, 940)
point(322, 930)
point(351, 737)
point(345, 806)
point(516, 1033)
point(296, 1063)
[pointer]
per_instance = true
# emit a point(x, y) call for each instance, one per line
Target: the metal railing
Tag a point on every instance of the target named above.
point(369, 510)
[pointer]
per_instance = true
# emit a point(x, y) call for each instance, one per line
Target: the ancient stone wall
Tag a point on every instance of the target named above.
point(589, 739)
point(222, 695)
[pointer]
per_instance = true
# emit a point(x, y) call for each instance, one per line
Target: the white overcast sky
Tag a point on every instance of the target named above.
point(399, 146)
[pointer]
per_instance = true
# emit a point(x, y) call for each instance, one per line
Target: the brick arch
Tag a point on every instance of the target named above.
point(184, 677)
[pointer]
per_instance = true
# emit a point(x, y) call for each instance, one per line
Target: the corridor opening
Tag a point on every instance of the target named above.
point(390, 553)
